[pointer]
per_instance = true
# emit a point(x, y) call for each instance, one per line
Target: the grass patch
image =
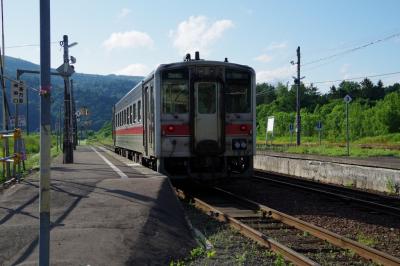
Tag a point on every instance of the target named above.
point(32, 147)
point(391, 186)
point(102, 136)
point(366, 240)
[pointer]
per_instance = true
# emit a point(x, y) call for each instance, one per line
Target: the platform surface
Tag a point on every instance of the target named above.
point(376, 162)
point(99, 215)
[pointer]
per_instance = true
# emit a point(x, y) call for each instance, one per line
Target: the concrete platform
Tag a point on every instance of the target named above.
point(99, 216)
point(373, 174)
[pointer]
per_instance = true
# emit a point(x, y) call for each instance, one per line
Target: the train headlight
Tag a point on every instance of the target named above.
point(236, 144)
point(243, 144)
point(239, 144)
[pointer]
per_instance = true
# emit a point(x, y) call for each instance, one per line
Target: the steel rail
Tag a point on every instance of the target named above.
point(381, 207)
point(333, 238)
point(262, 239)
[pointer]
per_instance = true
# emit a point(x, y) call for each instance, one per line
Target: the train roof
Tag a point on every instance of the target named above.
point(200, 62)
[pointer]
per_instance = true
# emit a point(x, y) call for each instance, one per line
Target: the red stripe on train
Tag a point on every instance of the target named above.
point(238, 129)
point(175, 130)
point(183, 130)
point(130, 131)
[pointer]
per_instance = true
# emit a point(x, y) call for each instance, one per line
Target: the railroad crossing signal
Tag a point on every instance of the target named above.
point(18, 92)
point(66, 70)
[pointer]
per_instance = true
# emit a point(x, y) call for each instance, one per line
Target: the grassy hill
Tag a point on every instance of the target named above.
point(97, 92)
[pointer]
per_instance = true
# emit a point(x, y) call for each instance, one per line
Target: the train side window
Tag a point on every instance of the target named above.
point(130, 115)
point(138, 111)
point(134, 113)
point(124, 116)
point(127, 115)
point(128, 121)
point(119, 119)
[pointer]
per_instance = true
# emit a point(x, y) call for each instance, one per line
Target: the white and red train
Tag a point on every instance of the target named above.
point(191, 119)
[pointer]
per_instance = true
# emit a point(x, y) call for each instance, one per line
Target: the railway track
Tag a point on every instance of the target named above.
point(299, 242)
point(379, 203)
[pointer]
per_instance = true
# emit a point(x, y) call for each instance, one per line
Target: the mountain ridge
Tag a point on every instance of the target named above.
point(94, 91)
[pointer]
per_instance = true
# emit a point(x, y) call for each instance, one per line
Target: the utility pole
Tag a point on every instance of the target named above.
point(297, 82)
point(74, 122)
point(59, 128)
point(298, 99)
point(6, 111)
point(27, 112)
point(68, 155)
point(45, 131)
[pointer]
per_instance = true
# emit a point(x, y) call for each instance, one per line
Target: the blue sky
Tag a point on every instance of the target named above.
point(133, 37)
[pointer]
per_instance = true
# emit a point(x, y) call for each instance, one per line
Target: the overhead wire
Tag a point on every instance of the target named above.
point(26, 45)
point(395, 35)
point(354, 78)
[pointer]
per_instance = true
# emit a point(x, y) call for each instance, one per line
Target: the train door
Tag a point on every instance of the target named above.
point(207, 122)
point(148, 119)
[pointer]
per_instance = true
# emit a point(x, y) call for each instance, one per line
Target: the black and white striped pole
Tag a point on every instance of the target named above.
point(45, 134)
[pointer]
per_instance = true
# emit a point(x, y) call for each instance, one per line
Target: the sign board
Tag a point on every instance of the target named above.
point(347, 98)
point(291, 128)
point(319, 125)
point(65, 70)
point(84, 111)
point(21, 121)
point(18, 92)
point(270, 124)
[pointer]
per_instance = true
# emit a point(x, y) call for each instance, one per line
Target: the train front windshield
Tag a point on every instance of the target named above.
point(175, 91)
point(238, 92)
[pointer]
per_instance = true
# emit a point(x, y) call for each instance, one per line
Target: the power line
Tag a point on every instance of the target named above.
point(353, 49)
point(354, 78)
point(26, 45)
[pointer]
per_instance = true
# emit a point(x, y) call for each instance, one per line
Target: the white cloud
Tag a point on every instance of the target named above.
point(134, 70)
point(276, 75)
point(276, 46)
point(198, 34)
point(264, 58)
point(124, 12)
point(129, 39)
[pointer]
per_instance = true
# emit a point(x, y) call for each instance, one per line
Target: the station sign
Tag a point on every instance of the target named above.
point(18, 92)
point(21, 121)
point(270, 124)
